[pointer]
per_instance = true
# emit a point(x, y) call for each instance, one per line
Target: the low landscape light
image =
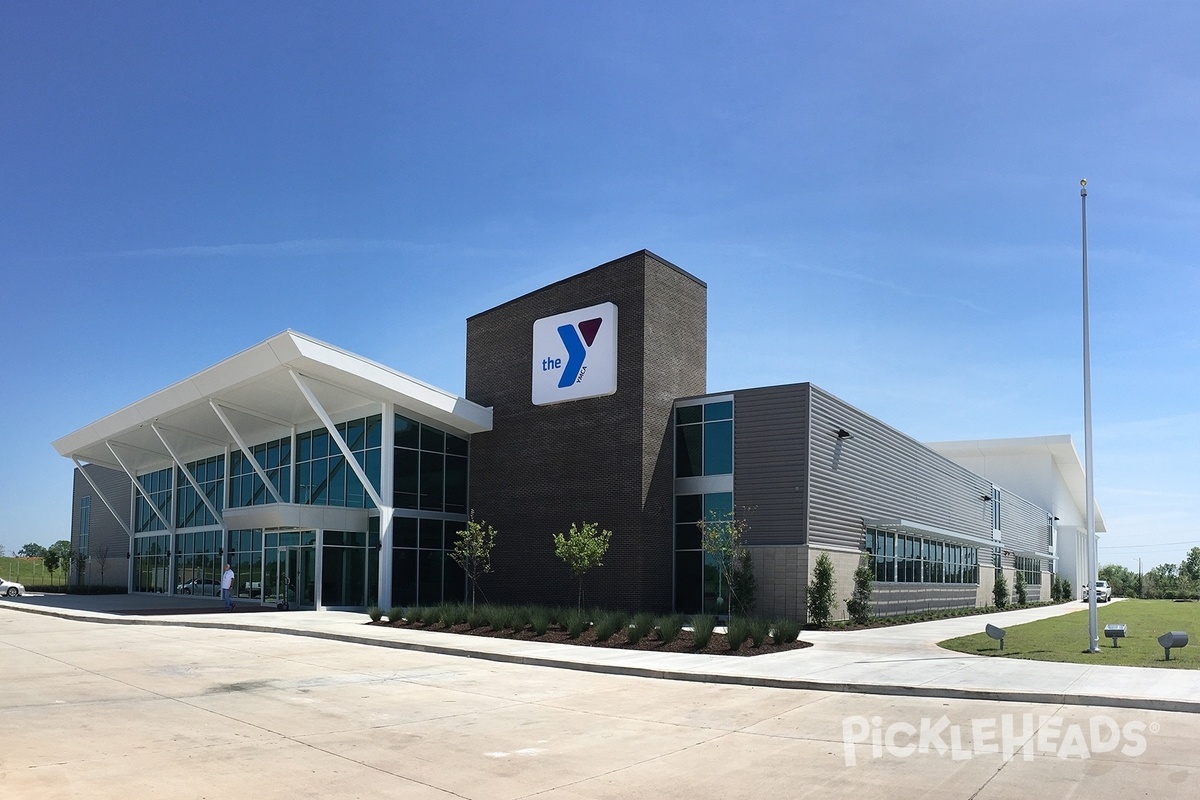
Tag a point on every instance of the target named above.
point(995, 633)
point(1114, 631)
point(1172, 639)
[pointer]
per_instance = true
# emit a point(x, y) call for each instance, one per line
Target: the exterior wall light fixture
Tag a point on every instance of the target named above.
point(842, 433)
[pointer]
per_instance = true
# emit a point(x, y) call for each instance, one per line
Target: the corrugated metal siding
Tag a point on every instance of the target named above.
point(880, 472)
point(770, 435)
point(1024, 527)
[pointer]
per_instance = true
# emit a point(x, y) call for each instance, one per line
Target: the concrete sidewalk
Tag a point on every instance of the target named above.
point(903, 660)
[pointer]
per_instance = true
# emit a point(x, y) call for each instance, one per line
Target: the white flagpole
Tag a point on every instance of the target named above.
point(1093, 625)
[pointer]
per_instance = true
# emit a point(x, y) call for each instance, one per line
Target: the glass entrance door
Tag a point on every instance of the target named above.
point(289, 576)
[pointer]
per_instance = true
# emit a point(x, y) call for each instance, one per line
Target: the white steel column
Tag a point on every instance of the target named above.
point(141, 489)
point(327, 421)
point(120, 519)
point(387, 514)
point(188, 474)
point(237, 437)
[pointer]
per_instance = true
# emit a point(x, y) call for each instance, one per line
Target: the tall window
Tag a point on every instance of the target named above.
point(704, 439)
point(995, 508)
point(322, 475)
point(151, 563)
point(698, 580)
point(190, 510)
point(158, 486)
point(85, 523)
point(430, 468)
point(423, 573)
point(246, 488)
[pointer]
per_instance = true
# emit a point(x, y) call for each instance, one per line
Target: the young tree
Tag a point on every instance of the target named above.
point(820, 592)
point(57, 556)
point(101, 558)
point(743, 586)
point(473, 551)
point(722, 539)
point(581, 549)
point(858, 606)
point(1000, 590)
point(1022, 588)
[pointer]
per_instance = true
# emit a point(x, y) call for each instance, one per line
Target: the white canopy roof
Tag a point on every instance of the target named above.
point(257, 392)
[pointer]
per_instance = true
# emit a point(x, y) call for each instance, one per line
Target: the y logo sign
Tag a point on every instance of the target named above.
point(575, 355)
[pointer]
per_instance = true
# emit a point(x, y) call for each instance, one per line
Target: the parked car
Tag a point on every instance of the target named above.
point(11, 588)
point(1103, 592)
point(201, 586)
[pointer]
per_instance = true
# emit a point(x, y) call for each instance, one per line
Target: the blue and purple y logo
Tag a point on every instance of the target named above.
point(574, 355)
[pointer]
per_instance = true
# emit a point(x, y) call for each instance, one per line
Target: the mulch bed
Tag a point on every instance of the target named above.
point(718, 645)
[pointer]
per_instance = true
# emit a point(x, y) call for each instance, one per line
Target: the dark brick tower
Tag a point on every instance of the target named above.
point(600, 459)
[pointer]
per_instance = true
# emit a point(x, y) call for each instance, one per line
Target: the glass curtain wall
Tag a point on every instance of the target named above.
point(151, 563)
point(322, 476)
point(350, 568)
point(423, 573)
point(902, 558)
point(245, 559)
point(198, 563)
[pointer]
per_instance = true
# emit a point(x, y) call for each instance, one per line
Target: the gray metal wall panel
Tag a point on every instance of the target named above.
point(880, 472)
point(1024, 527)
point(770, 434)
point(107, 540)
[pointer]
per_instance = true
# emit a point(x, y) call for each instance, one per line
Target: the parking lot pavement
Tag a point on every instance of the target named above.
point(126, 711)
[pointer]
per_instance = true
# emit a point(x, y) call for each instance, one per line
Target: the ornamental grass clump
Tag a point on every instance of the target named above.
point(702, 630)
point(375, 613)
point(669, 628)
point(737, 632)
point(785, 631)
point(606, 623)
point(640, 627)
point(477, 617)
point(395, 614)
point(759, 628)
point(575, 622)
point(539, 620)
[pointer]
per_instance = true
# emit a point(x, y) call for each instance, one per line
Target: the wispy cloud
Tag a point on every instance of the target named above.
point(889, 285)
point(292, 247)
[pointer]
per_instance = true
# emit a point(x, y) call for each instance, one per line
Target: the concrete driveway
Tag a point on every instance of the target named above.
point(102, 711)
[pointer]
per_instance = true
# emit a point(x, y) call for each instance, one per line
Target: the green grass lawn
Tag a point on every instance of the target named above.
point(1065, 638)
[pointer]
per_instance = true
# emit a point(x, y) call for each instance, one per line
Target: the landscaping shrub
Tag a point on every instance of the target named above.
point(375, 613)
point(576, 622)
point(606, 623)
point(477, 617)
point(395, 613)
point(669, 628)
point(785, 631)
point(1022, 588)
point(539, 620)
point(702, 629)
point(759, 628)
point(1000, 590)
point(820, 592)
point(858, 606)
point(737, 631)
point(642, 624)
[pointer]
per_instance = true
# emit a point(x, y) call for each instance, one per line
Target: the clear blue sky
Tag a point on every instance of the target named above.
point(883, 199)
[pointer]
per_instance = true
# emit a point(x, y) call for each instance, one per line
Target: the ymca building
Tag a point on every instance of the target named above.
point(329, 481)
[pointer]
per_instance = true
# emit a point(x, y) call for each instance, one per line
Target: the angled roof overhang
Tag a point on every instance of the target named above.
point(1061, 449)
point(256, 390)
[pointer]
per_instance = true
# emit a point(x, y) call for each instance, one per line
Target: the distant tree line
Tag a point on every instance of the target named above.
point(1168, 581)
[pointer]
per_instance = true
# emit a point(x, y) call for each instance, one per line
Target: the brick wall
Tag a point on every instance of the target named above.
point(603, 459)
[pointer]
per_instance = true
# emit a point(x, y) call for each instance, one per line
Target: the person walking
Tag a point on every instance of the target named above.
point(226, 588)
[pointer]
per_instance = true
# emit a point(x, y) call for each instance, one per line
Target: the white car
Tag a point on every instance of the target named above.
point(1103, 592)
point(11, 588)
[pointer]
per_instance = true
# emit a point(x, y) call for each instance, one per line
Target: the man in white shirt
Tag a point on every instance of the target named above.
point(226, 586)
